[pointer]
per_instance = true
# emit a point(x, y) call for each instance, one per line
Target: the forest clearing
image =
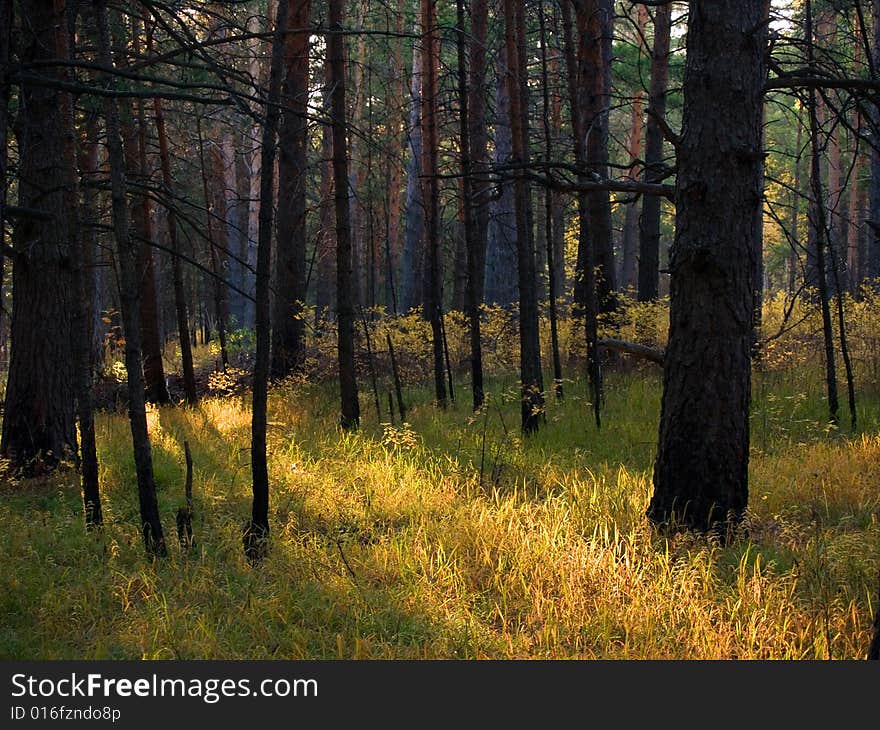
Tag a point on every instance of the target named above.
point(452, 537)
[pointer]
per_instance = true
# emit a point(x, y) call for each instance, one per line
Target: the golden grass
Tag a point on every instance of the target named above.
point(386, 545)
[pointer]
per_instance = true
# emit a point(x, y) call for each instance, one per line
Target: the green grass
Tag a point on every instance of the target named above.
point(387, 543)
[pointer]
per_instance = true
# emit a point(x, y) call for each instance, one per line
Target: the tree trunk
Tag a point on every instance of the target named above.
point(39, 418)
point(256, 534)
point(649, 224)
point(129, 297)
point(531, 377)
point(794, 232)
point(135, 142)
point(467, 205)
point(186, 357)
point(433, 307)
point(325, 291)
point(594, 20)
point(345, 307)
point(701, 468)
point(629, 243)
point(79, 333)
point(6, 15)
point(412, 266)
point(500, 277)
point(585, 303)
point(478, 136)
point(873, 233)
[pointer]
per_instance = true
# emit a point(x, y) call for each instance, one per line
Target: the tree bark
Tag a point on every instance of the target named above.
point(39, 416)
point(467, 204)
point(531, 377)
point(701, 468)
point(256, 534)
point(345, 306)
point(180, 309)
point(79, 333)
point(433, 307)
point(129, 297)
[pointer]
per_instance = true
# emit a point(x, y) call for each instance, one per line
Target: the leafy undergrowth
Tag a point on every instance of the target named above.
point(449, 537)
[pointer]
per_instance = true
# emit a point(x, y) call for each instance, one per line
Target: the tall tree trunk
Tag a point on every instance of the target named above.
point(433, 307)
point(135, 144)
point(393, 172)
point(214, 215)
point(180, 310)
point(629, 240)
point(256, 534)
point(325, 291)
point(478, 136)
point(549, 234)
point(853, 224)
point(467, 205)
point(531, 377)
point(794, 226)
point(585, 303)
point(701, 468)
point(345, 306)
point(79, 334)
point(500, 277)
point(129, 297)
point(594, 20)
point(873, 221)
point(649, 223)
point(413, 259)
point(6, 14)
point(39, 416)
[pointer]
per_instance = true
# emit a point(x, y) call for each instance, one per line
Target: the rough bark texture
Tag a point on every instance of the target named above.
point(873, 234)
point(649, 223)
point(701, 468)
point(129, 297)
point(288, 325)
point(479, 138)
point(39, 420)
point(6, 14)
point(345, 306)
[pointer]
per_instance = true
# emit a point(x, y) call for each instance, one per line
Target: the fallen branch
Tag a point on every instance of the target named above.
point(634, 349)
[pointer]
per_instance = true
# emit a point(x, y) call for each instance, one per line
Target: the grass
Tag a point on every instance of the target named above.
point(388, 544)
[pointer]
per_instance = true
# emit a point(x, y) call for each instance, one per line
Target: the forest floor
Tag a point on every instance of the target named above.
point(451, 537)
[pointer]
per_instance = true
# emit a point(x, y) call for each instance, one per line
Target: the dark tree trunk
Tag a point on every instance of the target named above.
point(594, 20)
point(413, 259)
point(794, 233)
point(135, 141)
point(585, 303)
point(500, 277)
point(129, 297)
point(629, 274)
point(39, 416)
point(531, 377)
point(186, 357)
point(649, 223)
point(873, 234)
point(467, 190)
point(6, 13)
point(256, 534)
point(478, 136)
point(288, 327)
point(701, 468)
point(433, 307)
point(345, 306)
point(549, 233)
point(79, 333)
point(325, 291)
